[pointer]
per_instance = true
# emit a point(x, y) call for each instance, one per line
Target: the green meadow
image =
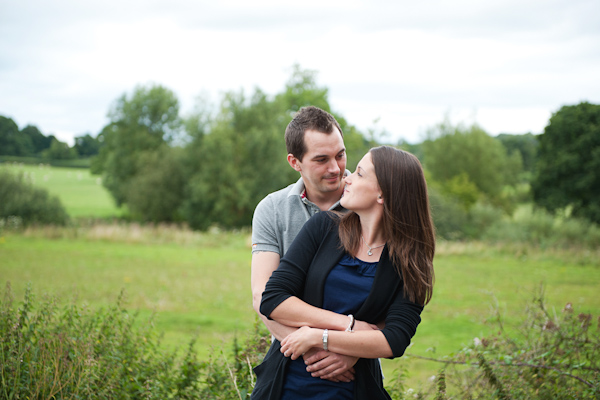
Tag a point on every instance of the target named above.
point(198, 284)
point(80, 192)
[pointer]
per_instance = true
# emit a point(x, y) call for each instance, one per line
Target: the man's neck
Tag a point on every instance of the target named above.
point(324, 200)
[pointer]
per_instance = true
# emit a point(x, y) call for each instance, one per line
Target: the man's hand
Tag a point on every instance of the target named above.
point(331, 366)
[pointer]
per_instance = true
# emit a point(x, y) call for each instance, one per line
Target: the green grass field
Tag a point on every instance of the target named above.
point(205, 290)
point(80, 192)
point(201, 285)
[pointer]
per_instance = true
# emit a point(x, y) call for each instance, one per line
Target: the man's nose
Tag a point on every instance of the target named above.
point(333, 166)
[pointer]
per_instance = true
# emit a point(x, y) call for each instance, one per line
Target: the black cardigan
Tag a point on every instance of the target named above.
point(302, 273)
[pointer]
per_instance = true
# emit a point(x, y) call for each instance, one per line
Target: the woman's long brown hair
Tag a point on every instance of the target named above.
point(407, 222)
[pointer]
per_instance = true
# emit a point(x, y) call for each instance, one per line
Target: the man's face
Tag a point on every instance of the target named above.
point(324, 161)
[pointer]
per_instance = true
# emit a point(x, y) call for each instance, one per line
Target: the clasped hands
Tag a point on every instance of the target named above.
point(307, 342)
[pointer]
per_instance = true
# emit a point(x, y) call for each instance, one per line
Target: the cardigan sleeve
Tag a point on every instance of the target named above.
point(401, 321)
point(289, 278)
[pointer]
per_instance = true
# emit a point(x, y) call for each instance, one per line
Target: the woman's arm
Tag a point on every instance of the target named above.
point(363, 344)
point(401, 321)
point(297, 313)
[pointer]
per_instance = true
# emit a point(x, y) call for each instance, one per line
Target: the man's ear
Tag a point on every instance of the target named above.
point(294, 162)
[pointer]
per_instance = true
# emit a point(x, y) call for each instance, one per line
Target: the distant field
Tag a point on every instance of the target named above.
point(81, 193)
point(205, 289)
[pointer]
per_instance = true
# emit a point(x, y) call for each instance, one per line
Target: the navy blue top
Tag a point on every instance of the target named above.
point(346, 288)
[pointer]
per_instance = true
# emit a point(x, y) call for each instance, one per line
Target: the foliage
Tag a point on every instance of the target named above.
point(457, 156)
point(72, 352)
point(59, 151)
point(525, 145)
point(87, 146)
point(138, 124)
point(30, 142)
point(38, 140)
point(28, 204)
point(227, 379)
point(552, 355)
point(49, 351)
point(12, 142)
point(539, 228)
point(237, 163)
point(155, 192)
point(569, 161)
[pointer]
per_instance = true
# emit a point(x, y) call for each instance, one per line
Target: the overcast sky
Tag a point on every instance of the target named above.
point(507, 65)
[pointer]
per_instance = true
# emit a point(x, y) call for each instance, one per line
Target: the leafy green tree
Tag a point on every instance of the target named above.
point(140, 123)
point(38, 140)
point(155, 193)
point(238, 156)
point(302, 90)
point(526, 145)
point(239, 159)
point(12, 142)
point(467, 158)
point(59, 151)
point(87, 145)
point(568, 169)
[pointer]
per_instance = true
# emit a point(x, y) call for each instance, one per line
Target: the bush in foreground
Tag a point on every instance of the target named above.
point(552, 355)
point(48, 351)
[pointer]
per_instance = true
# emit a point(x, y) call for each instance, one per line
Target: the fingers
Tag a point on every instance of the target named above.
point(315, 355)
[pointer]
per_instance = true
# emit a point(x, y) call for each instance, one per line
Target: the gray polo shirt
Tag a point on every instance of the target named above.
point(279, 217)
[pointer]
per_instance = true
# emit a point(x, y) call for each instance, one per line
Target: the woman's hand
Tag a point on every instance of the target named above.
point(297, 343)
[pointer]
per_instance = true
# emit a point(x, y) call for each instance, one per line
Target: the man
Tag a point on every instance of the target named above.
point(316, 149)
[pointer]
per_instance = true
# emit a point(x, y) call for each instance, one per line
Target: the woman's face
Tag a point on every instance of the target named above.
point(362, 190)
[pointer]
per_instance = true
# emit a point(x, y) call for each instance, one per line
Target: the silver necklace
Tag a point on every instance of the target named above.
point(370, 252)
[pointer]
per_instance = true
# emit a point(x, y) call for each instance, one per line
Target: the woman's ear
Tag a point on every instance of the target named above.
point(380, 199)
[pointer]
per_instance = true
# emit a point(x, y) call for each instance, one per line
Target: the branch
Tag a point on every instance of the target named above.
point(506, 365)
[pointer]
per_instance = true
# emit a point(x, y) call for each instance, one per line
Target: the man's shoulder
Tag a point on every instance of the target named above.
point(282, 196)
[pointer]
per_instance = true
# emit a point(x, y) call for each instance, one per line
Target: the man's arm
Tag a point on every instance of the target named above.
point(263, 265)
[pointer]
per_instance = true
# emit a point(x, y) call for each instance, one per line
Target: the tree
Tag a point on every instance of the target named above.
point(87, 145)
point(59, 151)
point(239, 159)
point(526, 145)
point(460, 157)
point(141, 123)
point(155, 192)
point(12, 142)
point(39, 141)
point(568, 169)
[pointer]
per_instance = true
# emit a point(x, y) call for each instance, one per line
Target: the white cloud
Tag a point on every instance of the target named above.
point(507, 65)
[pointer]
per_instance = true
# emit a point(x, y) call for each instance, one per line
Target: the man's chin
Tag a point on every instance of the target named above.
point(333, 186)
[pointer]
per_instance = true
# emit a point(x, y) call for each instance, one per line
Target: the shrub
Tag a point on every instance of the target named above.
point(71, 352)
point(552, 355)
point(47, 351)
point(29, 204)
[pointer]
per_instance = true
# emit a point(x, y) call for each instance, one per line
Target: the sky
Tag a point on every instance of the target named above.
point(395, 67)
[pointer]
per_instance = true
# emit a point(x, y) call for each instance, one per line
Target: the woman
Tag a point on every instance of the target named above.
point(345, 274)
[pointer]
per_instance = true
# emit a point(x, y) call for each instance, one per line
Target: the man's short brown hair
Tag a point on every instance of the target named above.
point(308, 118)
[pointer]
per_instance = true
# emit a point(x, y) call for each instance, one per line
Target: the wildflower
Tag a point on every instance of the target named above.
point(477, 342)
point(549, 326)
point(568, 308)
point(585, 320)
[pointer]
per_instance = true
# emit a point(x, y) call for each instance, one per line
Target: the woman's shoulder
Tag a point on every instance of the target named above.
point(325, 219)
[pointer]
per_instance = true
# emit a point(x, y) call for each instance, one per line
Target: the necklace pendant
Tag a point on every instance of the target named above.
point(370, 252)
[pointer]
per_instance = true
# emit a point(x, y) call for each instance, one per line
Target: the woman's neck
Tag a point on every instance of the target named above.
point(372, 230)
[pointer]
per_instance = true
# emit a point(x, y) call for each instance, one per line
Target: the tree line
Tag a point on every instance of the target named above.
point(213, 165)
point(31, 142)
